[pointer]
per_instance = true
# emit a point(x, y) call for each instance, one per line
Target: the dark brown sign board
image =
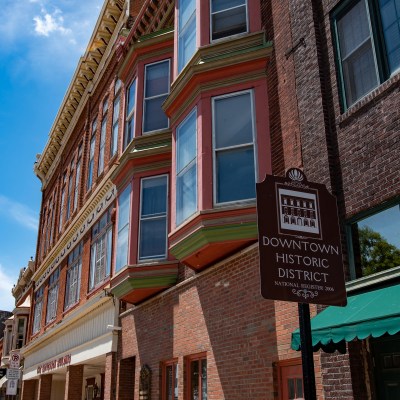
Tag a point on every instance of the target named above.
point(299, 241)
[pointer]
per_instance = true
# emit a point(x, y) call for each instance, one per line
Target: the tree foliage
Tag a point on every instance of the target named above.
point(377, 254)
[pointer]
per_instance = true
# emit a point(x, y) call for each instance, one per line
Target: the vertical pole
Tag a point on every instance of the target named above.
point(307, 352)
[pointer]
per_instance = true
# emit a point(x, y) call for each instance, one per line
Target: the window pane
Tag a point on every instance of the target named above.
point(186, 141)
point(356, 51)
point(221, 5)
point(169, 380)
point(154, 193)
point(122, 248)
point(376, 242)
point(124, 207)
point(186, 10)
point(239, 185)
point(204, 379)
point(390, 14)
point(154, 116)
point(153, 238)
point(233, 120)
point(353, 29)
point(131, 97)
point(229, 22)
point(187, 43)
point(157, 79)
point(194, 378)
point(186, 194)
point(359, 72)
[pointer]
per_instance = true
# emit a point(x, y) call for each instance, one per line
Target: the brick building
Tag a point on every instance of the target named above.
point(146, 283)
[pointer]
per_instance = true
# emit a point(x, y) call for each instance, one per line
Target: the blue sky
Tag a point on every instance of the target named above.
point(41, 42)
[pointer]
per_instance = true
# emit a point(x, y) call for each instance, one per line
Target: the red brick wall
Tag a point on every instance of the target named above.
point(110, 376)
point(220, 312)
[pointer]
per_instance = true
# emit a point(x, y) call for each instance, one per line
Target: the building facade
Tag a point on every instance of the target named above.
point(146, 282)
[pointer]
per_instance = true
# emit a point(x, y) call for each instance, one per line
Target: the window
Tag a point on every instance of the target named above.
point(114, 133)
point(186, 32)
point(156, 90)
point(60, 222)
point(186, 168)
point(52, 296)
point(123, 228)
point(103, 131)
point(91, 155)
point(77, 177)
point(197, 377)
point(70, 186)
point(233, 131)
point(7, 340)
point(228, 17)
point(170, 380)
point(73, 282)
point(21, 327)
point(153, 218)
point(375, 242)
point(130, 114)
point(37, 314)
point(368, 45)
point(100, 252)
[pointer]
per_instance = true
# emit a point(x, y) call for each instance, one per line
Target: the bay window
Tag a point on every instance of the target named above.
point(153, 218)
point(124, 206)
point(233, 142)
point(103, 132)
point(73, 282)
point(115, 126)
point(228, 17)
point(186, 168)
point(100, 252)
point(156, 90)
point(91, 155)
point(77, 177)
point(52, 296)
point(186, 32)
point(367, 35)
point(37, 313)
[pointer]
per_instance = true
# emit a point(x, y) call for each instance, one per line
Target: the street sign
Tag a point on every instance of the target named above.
point(12, 386)
point(299, 241)
point(15, 360)
point(13, 373)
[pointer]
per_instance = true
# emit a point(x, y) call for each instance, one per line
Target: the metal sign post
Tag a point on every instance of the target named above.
point(300, 252)
point(307, 352)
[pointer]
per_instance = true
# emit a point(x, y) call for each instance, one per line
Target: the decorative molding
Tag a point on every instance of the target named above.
point(89, 217)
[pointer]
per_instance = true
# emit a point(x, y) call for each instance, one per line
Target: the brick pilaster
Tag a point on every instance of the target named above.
point(109, 377)
point(44, 390)
point(74, 382)
point(28, 390)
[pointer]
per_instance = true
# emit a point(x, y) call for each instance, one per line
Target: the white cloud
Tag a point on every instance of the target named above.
point(6, 284)
point(18, 212)
point(49, 23)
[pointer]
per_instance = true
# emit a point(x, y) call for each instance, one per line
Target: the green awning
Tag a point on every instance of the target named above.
point(372, 313)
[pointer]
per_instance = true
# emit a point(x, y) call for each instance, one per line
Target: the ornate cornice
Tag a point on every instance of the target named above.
point(102, 197)
point(88, 71)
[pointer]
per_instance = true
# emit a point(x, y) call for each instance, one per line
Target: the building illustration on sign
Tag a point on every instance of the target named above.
point(298, 211)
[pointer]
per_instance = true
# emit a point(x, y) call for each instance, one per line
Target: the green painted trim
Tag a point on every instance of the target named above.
point(131, 283)
point(214, 234)
point(156, 33)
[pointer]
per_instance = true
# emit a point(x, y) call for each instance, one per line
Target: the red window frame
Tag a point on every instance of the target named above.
point(175, 379)
point(190, 360)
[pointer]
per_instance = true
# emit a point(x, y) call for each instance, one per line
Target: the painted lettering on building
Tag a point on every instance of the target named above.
point(54, 364)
